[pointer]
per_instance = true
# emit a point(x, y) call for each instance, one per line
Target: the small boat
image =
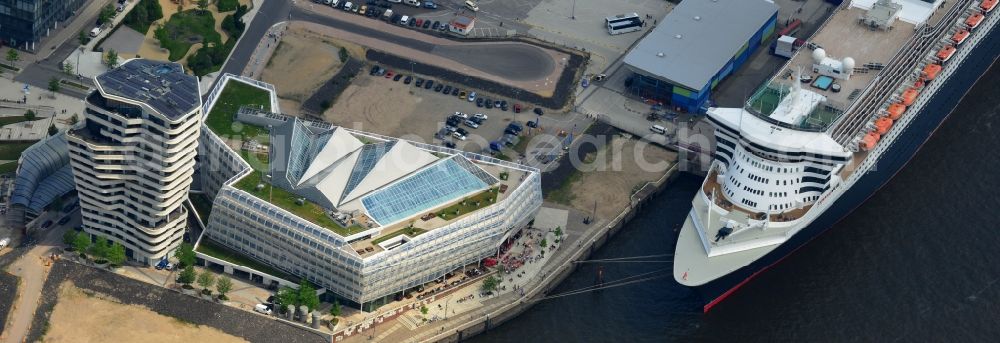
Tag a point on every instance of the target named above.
point(974, 20)
point(909, 96)
point(896, 111)
point(988, 5)
point(945, 53)
point(869, 141)
point(882, 125)
point(960, 36)
point(931, 71)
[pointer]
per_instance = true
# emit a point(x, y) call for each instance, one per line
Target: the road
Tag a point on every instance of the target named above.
point(32, 270)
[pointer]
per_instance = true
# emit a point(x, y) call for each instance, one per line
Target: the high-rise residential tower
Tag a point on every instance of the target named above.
point(133, 156)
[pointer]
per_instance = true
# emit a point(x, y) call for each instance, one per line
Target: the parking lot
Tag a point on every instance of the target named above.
point(419, 113)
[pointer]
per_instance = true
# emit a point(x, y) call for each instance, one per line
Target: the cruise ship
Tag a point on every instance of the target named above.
point(843, 115)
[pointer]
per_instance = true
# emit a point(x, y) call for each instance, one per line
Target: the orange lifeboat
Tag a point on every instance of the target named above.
point(869, 141)
point(882, 125)
point(960, 36)
point(931, 71)
point(974, 20)
point(988, 5)
point(909, 96)
point(945, 54)
point(919, 83)
point(896, 111)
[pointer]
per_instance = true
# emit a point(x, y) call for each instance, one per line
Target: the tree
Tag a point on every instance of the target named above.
point(53, 130)
point(187, 276)
point(490, 284)
point(558, 231)
point(287, 296)
point(74, 119)
point(69, 237)
point(203, 5)
point(107, 13)
point(81, 242)
point(13, 56)
point(223, 285)
point(307, 296)
point(100, 248)
point(82, 37)
point(335, 310)
point(116, 254)
point(54, 84)
point(543, 243)
point(206, 279)
point(29, 115)
point(111, 58)
point(185, 254)
point(68, 69)
point(424, 310)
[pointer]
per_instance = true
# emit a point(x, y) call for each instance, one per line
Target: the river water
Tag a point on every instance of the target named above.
point(919, 261)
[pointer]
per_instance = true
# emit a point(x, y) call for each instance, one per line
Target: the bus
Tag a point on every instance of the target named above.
point(623, 23)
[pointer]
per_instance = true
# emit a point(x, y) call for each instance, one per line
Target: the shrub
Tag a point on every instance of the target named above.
point(227, 5)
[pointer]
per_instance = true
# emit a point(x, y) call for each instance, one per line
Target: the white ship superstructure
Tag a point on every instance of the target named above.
point(820, 124)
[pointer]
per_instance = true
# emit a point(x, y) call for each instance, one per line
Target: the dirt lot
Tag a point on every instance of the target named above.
point(80, 317)
point(315, 59)
point(615, 173)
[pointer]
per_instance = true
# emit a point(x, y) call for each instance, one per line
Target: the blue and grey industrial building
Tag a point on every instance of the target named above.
point(697, 45)
point(23, 23)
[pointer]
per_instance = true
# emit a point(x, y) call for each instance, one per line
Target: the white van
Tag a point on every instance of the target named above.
point(404, 20)
point(471, 5)
point(413, 3)
point(96, 31)
point(658, 129)
point(387, 15)
point(333, 3)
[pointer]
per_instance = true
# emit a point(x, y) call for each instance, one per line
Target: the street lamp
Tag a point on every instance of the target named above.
point(573, 15)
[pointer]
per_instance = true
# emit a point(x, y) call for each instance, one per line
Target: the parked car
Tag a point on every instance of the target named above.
point(404, 20)
point(481, 116)
point(515, 126)
point(449, 144)
point(462, 131)
point(461, 94)
point(397, 77)
point(420, 82)
point(407, 80)
point(472, 96)
point(479, 102)
point(4, 242)
point(471, 123)
point(477, 120)
point(420, 21)
point(455, 91)
point(428, 84)
point(517, 108)
point(427, 24)
point(262, 308)
point(373, 70)
point(412, 23)
point(389, 74)
point(64, 220)
point(532, 124)
point(450, 128)
point(503, 105)
point(461, 115)
point(430, 4)
point(348, 5)
point(438, 87)
point(458, 136)
point(46, 224)
point(436, 25)
point(538, 111)
point(363, 10)
point(447, 90)
point(162, 264)
point(488, 103)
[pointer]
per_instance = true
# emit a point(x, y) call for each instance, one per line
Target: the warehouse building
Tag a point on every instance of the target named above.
point(697, 45)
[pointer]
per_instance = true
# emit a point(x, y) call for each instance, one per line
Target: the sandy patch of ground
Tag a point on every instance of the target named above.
point(302, 62)
point(79, 317)
point(617, 172)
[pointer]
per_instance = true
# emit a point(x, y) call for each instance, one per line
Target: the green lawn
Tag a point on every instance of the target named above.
point(409, 231)
point(12, 151)
point(468, 205)
point(210, 248)
point(186, 28)
point(14, 120)
point(258, 161)
point(286, 200)
point(8, 167)
point(203, 205)
point(235, 95)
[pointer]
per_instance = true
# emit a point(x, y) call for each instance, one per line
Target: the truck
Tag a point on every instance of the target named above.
point(785, 46)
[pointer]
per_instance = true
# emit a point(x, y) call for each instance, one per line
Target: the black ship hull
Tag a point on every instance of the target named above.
point(892, 160)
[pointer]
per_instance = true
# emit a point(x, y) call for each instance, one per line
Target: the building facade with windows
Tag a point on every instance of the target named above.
point(23, 23)
point(133, 156)
point(369, 217)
